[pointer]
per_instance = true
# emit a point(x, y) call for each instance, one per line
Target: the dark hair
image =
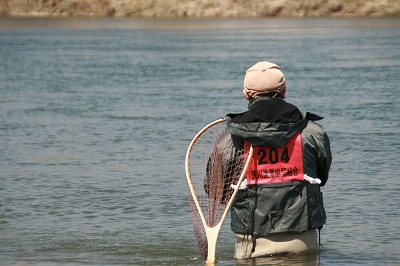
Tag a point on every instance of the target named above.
point(273, 94)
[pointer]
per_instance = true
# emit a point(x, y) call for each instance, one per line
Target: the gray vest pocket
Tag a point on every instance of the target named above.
point(281, 208)
point(262, 210)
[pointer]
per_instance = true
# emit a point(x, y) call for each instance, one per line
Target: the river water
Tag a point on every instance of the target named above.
point(96, 116)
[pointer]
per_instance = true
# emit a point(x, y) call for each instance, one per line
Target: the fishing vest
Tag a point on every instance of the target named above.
point(277, 198)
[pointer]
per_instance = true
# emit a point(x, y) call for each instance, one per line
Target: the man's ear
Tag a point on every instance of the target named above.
point(247, 96)
point(283, 93)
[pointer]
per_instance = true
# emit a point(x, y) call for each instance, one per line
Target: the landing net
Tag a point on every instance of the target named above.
point(214, 164)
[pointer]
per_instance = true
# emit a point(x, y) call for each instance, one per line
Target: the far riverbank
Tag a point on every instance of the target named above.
point(200, 8)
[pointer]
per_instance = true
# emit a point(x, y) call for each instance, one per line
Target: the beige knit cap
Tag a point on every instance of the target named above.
point(264, 77)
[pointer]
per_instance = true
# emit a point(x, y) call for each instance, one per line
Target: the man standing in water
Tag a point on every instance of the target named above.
point(281, 207)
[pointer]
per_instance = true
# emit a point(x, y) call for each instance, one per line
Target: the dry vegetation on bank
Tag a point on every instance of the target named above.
point(200, 8)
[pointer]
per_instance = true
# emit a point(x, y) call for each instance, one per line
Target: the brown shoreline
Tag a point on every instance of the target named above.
point(200, 8)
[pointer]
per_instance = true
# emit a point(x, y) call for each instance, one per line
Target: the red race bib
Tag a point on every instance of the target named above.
point(275, 165)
